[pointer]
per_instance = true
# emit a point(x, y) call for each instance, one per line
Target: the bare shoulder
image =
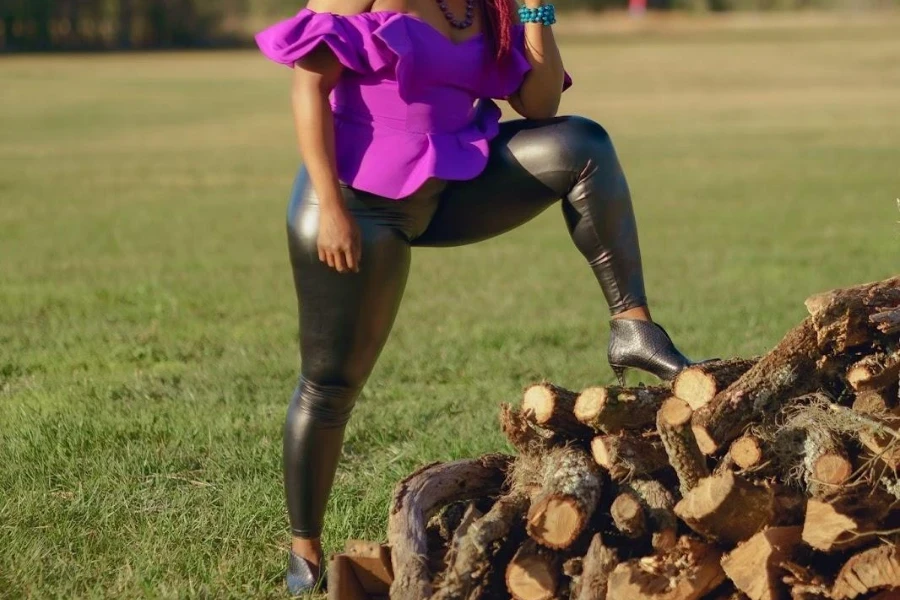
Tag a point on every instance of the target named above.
point(340, 7)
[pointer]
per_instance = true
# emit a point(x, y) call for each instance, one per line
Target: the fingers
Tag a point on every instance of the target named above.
point(351, 257)
point(340, 264)
point(342, 261)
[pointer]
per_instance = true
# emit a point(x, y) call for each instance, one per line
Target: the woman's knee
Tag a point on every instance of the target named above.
point(327, 404)
point(584, 140)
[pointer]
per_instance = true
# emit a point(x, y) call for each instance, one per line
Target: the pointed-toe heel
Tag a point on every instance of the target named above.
point(644, 345)
point(302, 577)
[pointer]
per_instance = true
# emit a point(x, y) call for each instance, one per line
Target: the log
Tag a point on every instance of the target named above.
point(596, 566)
point(417, 497)
point(887, 322)
point(874, 372)
point(826, 463)
point(755, 565)
point(842, 317)
point(876, 402)
point(698, 384)
point(790, 505)
point(371, 564)
point(628, 515)
point(523, 436)
point(572, 569)
point(673, 422)
point(533, 573)
point(726, 508)
point(570, 490)
point(658, 504)
point(873, 569)
point(474, 549)
point(688, 572)
point(881, 406)
point(844, 522)
point(342, 581)
point(788, 371)
point(804, 583)
point(552, 407)
point(611, 409)
point(470, 515)
point(626, 455)
point(747, 451)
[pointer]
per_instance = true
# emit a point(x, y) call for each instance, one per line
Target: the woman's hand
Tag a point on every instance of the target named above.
point(339, 240)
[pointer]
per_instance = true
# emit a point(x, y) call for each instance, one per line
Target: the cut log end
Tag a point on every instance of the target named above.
point(727, 508)
point(754, 566)
point(746, 451)
point(874, 569)
point(556, 522)
point(698, 385)
point(832, 469)
point(675, 412)
point(533, 574)
point(628, 515)
point(552, 407)
point(590, 403)
point(540, 400)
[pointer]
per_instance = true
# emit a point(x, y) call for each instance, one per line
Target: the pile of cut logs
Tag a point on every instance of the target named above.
point(764, 478)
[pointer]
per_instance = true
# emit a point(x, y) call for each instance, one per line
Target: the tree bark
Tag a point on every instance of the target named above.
point(698, 385)
point(871, 570)
point(841, 317)
point(523, 436)
point(826, 463)
point(658, 503)
point(613, 409)
point(473, 556)
point(887, 322)
point(417, 497)
point(570, 489)
point(881, 406)
point(874, 372)
point(627, 455)
point(552, 407)
point(674, 425)
point(597, 565)
point(804, 583)
point(726, 508)
point(533, 573)
point(788, 371)
point(755, 565)
point(628, 515)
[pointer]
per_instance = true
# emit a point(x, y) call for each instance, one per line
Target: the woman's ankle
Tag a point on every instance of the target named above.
point(309, 549)
point(638, 313)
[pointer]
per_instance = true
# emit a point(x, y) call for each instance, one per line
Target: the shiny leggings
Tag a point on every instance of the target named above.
point(345, 319)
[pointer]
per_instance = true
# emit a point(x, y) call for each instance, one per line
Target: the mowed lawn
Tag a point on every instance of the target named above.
point(148, 324)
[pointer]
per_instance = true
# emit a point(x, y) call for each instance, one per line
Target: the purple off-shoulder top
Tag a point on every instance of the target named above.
point(411, 104)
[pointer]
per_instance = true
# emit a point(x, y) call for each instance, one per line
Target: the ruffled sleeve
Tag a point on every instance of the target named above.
point(511, 72)
point(349, 38)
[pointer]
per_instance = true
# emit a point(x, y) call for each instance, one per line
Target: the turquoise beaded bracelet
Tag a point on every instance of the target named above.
point(544, 14)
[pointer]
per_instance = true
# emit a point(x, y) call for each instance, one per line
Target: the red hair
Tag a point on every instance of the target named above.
point(498, 22)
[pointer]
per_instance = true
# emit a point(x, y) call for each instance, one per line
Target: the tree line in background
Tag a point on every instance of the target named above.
point(125, 24)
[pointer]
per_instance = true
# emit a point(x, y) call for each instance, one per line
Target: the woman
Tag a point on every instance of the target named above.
point(401, 144)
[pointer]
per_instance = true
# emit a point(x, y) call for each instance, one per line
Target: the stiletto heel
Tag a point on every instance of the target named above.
point(643, 345)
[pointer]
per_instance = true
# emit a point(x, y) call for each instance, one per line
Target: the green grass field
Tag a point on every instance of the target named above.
point(147, 317)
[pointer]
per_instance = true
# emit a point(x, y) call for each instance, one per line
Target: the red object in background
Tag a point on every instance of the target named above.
point(637, 7)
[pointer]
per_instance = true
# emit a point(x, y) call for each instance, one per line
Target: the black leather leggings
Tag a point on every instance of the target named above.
point(345, 319)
